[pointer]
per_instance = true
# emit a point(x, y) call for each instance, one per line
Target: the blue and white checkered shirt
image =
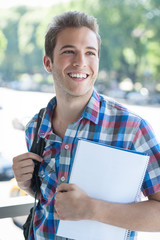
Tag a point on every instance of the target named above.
point(103, 120)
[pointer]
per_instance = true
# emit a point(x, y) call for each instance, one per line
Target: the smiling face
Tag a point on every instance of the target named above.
point(75, 62)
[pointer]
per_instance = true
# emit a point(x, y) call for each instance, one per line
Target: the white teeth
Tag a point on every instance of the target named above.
point(77, 75)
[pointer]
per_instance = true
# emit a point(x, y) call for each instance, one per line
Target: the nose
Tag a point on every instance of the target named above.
point(79, 60)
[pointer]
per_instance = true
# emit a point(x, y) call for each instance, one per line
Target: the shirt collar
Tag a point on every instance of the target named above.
point(91, 112)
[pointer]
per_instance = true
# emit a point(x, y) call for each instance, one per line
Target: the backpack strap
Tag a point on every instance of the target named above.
point(37, 147)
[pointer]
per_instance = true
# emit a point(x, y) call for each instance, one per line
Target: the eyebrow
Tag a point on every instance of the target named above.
point(72, 46)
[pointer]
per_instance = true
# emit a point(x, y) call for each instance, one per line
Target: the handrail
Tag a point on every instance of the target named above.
point(16, 206)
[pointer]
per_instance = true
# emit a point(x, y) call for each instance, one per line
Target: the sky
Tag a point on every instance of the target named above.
point(12, 3)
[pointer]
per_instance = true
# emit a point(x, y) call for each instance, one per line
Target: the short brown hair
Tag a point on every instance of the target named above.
point(68, 19)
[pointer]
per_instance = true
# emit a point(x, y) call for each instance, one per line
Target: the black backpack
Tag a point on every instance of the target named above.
point(37, 147)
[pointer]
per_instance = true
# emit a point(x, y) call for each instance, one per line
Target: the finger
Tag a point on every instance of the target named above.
point(27, 170)
point(23, 167)
point(24, 163)
point(65, 187)
point(19, 172)
point(23, 178)
point(28, 155)
point(56, 216)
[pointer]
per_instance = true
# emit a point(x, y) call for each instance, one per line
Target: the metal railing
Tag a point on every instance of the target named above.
point(16, 206)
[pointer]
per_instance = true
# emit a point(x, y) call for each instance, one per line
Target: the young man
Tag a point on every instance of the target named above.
point(72, 46)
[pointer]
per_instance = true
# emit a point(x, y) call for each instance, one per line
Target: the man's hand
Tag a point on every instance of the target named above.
point(71, 203)
point(23, 167)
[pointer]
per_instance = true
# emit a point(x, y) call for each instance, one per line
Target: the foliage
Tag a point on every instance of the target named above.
point(125, 37)
point(3, 45)
point(130, 33)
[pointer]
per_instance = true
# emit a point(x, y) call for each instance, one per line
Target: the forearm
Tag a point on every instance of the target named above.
point(29, 191)
point(141, 216)
point(72, 203)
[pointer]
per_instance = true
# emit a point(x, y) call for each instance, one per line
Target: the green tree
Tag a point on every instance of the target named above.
point(3, 45)
point(11, 63)
point(28, 48)
point(129, 30)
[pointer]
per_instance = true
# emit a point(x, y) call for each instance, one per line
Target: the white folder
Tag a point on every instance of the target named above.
point(106, 173)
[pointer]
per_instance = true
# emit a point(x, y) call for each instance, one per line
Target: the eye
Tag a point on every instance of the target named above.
point(68, 52)
point(90, 53)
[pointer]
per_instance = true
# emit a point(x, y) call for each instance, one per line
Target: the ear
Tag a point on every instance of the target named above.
point(47, 63)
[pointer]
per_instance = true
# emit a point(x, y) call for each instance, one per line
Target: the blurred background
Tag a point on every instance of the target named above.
point(129, 71)
point(130, 54)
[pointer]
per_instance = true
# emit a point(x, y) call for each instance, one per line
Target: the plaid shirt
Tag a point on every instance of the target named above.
point(103, 120)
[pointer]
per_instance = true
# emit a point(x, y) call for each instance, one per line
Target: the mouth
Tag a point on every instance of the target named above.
point(78, 76)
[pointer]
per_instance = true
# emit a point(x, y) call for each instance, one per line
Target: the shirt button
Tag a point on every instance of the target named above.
point(63, 179)
point(42, 173)
point(66, 146)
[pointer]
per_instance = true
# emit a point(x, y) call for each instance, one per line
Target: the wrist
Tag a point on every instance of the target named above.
point(99, 210)
point(92, 209)
point(26, 189)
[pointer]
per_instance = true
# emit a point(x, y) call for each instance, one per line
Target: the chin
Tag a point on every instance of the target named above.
point(79, 93)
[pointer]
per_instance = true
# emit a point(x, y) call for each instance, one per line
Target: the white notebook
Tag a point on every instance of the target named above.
point(106, 173)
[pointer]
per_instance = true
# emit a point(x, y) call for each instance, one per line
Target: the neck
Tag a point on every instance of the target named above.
point(68, 110)
point(71, 109)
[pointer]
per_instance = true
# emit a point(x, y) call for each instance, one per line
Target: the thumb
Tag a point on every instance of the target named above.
point(65, 187)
